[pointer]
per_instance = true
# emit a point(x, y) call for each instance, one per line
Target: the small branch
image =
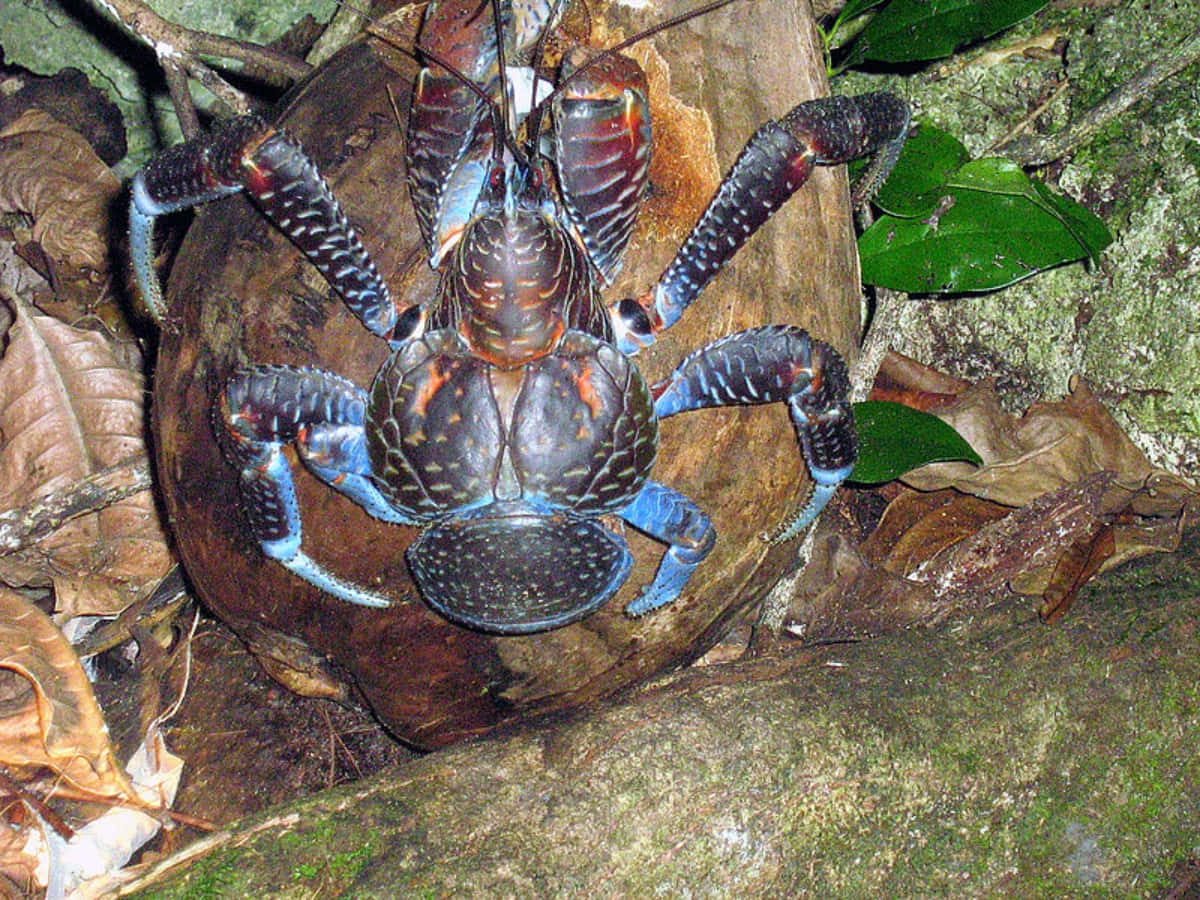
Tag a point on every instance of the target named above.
point(885, 324)
point(347, 22)
point(1037, 151)
point(181, 97)
point(162, 604)
point(21, 527)
point(179, 48)
point(10, 785)
point(1026, 124)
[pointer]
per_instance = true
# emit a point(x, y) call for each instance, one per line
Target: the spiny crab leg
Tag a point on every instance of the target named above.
point(775, 163)
point(247, 154)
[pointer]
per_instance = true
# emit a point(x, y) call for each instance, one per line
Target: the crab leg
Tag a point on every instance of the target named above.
point(776, 161)
point(266, 407)
point(248, 154)
point(767, 365)
point(674, 519)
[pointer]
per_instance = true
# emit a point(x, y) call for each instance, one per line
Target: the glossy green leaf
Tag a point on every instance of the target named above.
point(992, 226)
point(850, 11)
point(915, 186)
point(919, 30)
point(894, 439)
point(1088, 228)
point(857, 8)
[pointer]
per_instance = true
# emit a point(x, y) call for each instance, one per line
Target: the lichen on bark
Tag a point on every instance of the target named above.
point(989, 757)
point(1130, 326)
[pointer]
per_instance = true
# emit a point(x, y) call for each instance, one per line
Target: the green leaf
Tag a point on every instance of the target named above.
point(915, 186)
point(856, 8)
point(850, 11)
point(919, 30)
point(894, 439)
point(1088, 228)
point(992, 226)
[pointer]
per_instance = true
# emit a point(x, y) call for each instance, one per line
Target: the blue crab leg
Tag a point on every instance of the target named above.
point(249, 154)
point(775, 163)
point(263, 408)
point(674, 519)
point(767, 365)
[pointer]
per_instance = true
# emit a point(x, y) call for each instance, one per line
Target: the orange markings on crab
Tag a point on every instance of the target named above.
point(587, 391)
point(258, 181)
point(438, 378)
point(634, 121)
point(246, 416)
point(802, 165)
point(816, 376)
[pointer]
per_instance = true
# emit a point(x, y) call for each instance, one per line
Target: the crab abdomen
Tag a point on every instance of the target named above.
point(512, 468)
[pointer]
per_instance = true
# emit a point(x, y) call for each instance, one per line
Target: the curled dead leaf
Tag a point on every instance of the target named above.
point(1054, 444)
point(67, 410)
point(51, 718)
point(54, 746)
point(843, 595)
point(52, 174)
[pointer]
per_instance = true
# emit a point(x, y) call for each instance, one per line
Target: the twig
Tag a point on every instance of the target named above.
point(885, 324)
point(160, 605)
point(178, 49)
point(22, 526)
point(83, 795)
point(181, 97)
point(1037, 151)
point(347, 22)
point(10, 785)
point(1027, 122)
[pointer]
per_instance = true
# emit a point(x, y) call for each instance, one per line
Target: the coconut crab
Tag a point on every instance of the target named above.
point(509, 422)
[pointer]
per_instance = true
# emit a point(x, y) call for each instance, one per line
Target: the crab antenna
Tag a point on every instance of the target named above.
point(423, 56)
point(539, 52)
point(501, 62)
point(629, 42)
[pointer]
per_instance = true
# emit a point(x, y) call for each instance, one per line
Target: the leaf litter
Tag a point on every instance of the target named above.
point(1063, 494)
point(72, 410)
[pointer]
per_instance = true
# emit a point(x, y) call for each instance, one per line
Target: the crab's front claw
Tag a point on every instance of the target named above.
point(774, 164)
point(830, 446)
point(248, 154)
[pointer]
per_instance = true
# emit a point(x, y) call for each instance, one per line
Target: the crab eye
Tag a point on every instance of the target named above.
point(496, 179)
point(633, 317)
point(535, 179)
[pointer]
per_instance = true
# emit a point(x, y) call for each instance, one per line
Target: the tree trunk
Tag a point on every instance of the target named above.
point(1000, 757)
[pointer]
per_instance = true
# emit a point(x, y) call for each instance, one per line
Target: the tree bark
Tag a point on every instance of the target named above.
point(999, 757)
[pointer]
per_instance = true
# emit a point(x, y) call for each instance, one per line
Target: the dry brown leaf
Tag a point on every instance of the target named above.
point(1075, 568)
point(1055, 449)
point(67, 410)
point(1063, 494)
point(57, 724)
point(1028, 539)
point(21, 868)
point(904, 380)
point(843, 595)
point(51, 173)
point(917, 526)
point(1053, 445)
